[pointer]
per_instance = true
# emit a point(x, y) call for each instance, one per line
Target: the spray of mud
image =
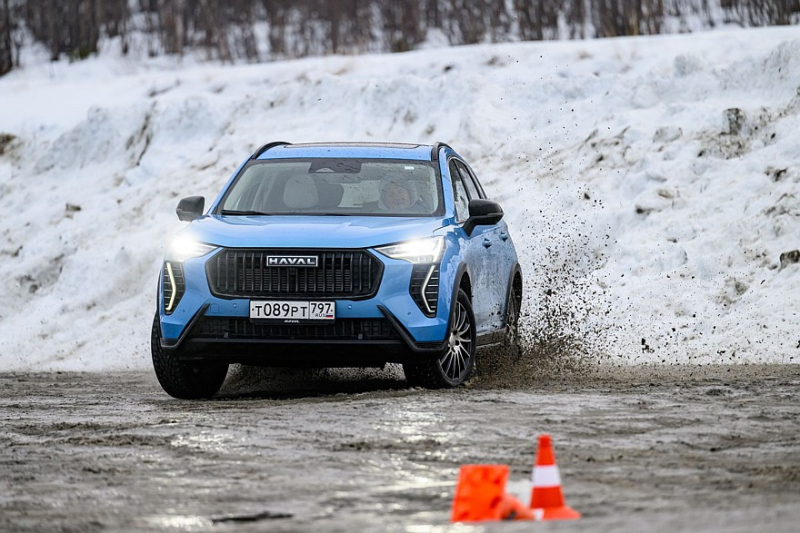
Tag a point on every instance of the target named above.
point(556, 344)
point(563, 332)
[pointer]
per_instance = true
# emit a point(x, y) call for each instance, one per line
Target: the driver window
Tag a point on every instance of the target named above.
point(459, 194)
point(468, 179)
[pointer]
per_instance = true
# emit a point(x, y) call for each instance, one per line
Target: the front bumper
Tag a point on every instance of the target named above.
point(390, 343)
point(204, 326)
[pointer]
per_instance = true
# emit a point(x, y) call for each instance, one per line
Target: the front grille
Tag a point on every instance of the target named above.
point(342, 329)
point(174, 285)
point(352, 274)
point(424, 288)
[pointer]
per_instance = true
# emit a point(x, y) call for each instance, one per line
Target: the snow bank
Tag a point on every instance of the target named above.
point(651, 183)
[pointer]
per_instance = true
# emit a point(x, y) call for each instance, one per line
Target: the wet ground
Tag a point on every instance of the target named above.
point(712, 448)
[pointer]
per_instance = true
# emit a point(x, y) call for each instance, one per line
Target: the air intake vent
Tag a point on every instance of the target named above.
point(424, 288)
point(351, 274)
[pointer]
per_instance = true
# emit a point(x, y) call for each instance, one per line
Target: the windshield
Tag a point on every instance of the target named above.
point(365, 187)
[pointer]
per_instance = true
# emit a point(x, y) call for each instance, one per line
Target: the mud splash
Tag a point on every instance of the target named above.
point(563, 329)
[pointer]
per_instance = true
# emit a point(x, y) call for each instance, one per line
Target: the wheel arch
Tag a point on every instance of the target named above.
point(462, 281)
point(514, 281)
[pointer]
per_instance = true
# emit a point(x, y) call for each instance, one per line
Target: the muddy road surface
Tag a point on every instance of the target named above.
point(712, 448)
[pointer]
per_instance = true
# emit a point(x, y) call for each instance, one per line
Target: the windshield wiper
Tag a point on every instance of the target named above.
point(233, 212)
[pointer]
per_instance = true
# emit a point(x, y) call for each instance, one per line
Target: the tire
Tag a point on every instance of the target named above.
point(512, 341)
point(186, 381)
point(455, 365)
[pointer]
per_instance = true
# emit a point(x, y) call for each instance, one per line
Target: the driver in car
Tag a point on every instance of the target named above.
point(399, 194)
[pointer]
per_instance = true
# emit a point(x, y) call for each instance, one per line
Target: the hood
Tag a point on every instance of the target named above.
point(309, 231)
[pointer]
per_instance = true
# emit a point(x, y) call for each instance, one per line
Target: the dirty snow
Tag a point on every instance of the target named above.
point(652, 181)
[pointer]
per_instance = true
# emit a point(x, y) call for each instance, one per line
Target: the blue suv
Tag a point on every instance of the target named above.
point(337, 255)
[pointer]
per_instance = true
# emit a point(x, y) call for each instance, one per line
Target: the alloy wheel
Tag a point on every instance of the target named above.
point(455, 362)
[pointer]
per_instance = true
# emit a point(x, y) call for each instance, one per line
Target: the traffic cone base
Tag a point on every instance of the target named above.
point(513, 509)
point(556, 513)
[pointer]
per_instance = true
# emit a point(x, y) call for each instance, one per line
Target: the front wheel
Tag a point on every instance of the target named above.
point(186, 381)
point(455, 365)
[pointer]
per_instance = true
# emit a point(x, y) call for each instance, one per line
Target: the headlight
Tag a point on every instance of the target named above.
point(421, 251)
point(183, 248)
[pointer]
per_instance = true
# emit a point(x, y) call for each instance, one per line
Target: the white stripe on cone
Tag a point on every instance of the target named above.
point(546, 476)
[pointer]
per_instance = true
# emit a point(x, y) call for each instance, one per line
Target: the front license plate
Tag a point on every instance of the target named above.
point(292, 311)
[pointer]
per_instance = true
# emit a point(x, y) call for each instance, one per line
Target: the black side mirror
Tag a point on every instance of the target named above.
point(191, 208)
point(482, 213)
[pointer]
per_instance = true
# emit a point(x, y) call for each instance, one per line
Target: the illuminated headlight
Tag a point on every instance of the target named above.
point(421, 251)
point(183, 248)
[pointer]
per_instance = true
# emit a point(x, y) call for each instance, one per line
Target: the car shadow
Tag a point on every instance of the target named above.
point(251, 382)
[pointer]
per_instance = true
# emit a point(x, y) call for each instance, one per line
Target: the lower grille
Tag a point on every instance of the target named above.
point(424, 288)
point(429, 345)
point(342, 329)
point(174, 285)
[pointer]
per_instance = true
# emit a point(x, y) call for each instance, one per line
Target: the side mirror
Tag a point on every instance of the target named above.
point(482, 213)
point(190, 208)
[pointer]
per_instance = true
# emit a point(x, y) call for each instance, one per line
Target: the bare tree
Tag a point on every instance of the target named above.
point(215, 27)
point(402, 24)
point(6, 52)
point(170, 16)
point(114, 15)
point(433, 15)
point(224, 29)
point(277, 12)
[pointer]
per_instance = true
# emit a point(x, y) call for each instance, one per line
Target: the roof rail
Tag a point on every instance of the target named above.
point(266, 147)
point(435, 150)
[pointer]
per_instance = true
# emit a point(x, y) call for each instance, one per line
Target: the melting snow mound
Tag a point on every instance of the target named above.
point(652, 184)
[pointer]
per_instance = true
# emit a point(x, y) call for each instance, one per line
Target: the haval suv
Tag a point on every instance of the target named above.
point(337, 255)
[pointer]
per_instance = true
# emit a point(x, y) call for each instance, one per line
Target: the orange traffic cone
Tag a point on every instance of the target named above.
point(547, 501)
point(480, 496)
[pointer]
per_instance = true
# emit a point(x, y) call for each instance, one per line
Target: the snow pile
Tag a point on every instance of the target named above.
point(652, 181)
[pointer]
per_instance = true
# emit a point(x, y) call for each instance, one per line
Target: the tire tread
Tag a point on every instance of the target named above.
point(180, 380)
